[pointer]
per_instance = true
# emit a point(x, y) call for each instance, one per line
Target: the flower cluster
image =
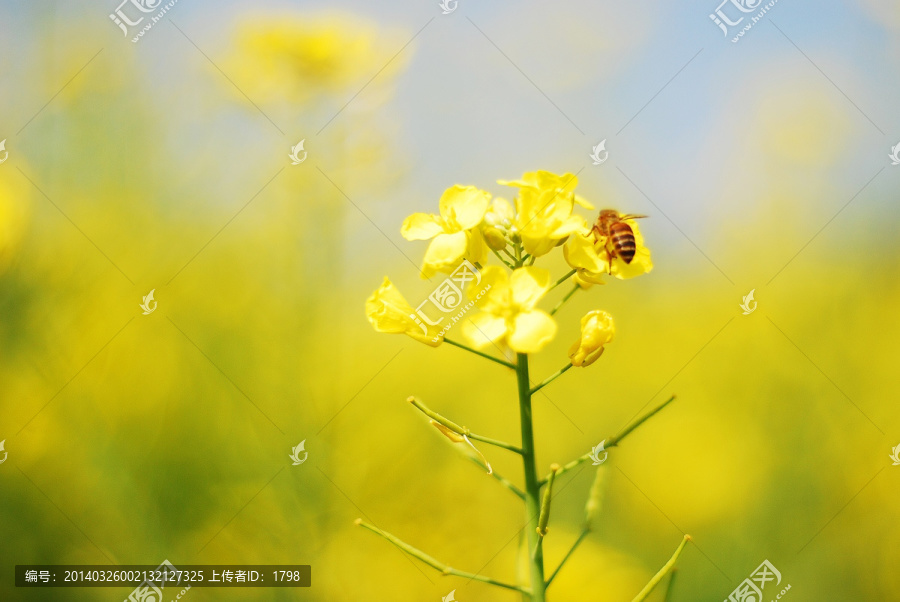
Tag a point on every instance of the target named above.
point(471, 225)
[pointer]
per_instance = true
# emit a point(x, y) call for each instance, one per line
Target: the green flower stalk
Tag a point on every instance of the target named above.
point(510, 327)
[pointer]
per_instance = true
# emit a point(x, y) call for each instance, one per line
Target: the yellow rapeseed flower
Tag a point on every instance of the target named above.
point(388, 311)
point(544, 207)
point(508, 317)
point(597, 329)
point(454, 233)
point(586, 252)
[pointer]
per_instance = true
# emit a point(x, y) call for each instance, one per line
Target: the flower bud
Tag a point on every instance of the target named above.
point(494, 238)
point(597, 329)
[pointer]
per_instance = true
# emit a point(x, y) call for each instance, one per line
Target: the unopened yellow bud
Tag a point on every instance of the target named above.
point(494, 238)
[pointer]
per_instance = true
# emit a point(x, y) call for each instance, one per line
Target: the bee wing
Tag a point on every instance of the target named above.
point(632, 216)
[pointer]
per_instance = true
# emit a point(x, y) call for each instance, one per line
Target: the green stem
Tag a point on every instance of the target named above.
point(581, 536)
point(615, 440)
point(591, 509)
point(561, 280)
point(460, 430)
point(532, 485)
point(568, 296)
point(481, 353)
point(550, 379)
point(627, 430)
point(503, 480)
point(436, 564)
point(521, 567)
point(667, 567)
point(500, 257)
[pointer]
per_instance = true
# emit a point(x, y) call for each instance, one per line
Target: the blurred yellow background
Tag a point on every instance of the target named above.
point(164, 165)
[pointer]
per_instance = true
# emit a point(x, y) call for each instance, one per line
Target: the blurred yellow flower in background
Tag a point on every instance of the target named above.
point(509, 318)
point(587, 253)
point(388, 311)
point(295, 59)
point(13, 216)
point(597, 329)
point(454, 233)
point(544, 209)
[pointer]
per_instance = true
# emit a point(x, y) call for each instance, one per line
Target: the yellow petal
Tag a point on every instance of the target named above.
point(448, 432)
point(500, 213)
point(463, 207)
point(476, 247)
point(640, 264)
point(581, 254)
point(531, 331)
point(597, 329)
point(545, 180)
point(485, 328)
point(421, 226)
point(571, 225)
point(538, 245)
point(581, 201)
point(586, 279)
point(445, 253)
point(388, 311)
point(496, 282)
point(528, 285)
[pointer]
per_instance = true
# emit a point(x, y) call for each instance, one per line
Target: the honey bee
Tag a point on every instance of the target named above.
point(619, 236)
